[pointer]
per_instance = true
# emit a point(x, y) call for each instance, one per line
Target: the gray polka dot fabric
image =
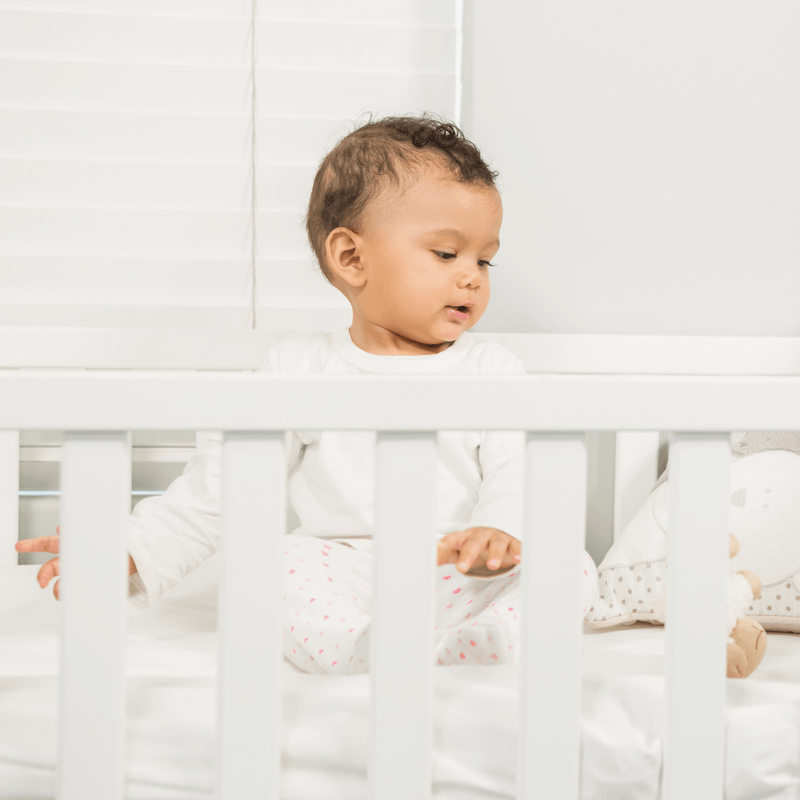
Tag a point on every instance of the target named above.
point(764, 517)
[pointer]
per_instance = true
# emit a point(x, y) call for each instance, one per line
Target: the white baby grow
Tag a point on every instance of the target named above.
point(191, 699)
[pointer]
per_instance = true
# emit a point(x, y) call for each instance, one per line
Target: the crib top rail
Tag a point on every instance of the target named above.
point(114, 400)
point(93, 348)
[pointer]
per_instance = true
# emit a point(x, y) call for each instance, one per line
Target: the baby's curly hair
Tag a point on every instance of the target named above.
point(361, 164)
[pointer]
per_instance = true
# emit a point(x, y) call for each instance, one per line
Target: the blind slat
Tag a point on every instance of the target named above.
point(286, 93)
point(285, 233)
point(101, 232)
point(110, 185)
point(385, 48)
point(305, 317)
point(184, 281)
point(289, 280)
point(397, 11)
point(105, 135)
point(203, 282)
point(189, 9)
point(122, 281)
point(146, 88)
point(107, 315)
point(400, 11)
point(116, 39)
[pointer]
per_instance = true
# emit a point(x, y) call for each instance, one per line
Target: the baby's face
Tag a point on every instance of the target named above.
point(426, 255)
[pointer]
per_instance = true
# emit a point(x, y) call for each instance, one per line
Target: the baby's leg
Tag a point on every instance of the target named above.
point(465, 633)
point(327, 601)
point(481, 618)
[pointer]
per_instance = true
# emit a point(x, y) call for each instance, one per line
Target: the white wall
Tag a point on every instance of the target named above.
point(647, 151)
point(649, 161)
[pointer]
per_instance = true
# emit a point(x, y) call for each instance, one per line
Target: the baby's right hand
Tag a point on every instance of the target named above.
point(44, 544)
point(51, 569)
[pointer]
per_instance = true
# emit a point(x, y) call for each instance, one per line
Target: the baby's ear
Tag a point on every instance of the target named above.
point(343, 249)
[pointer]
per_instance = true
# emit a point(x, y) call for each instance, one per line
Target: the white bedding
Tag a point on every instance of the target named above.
point(171, 708)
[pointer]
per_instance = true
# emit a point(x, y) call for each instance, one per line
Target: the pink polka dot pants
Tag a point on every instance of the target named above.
point(327, 603)
point(477, 620)
point(327, 606)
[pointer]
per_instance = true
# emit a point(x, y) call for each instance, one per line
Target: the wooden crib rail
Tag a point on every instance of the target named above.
point(67, 400)
point(635, 455)
point(254, 410)
point(571, 353)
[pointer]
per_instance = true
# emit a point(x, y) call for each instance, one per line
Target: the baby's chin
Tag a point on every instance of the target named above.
point(435, 347)
point(433, 344)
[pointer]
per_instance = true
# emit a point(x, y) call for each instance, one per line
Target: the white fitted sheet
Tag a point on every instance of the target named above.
point(171, 664)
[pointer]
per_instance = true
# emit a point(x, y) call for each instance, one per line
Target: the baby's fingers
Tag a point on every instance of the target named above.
point(42, 544)
point(446, 554)
point(496, 555)
point(50, 570)
point(470, 552)
point(449, 547)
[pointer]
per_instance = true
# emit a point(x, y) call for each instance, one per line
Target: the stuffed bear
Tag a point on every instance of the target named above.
point(747, 640)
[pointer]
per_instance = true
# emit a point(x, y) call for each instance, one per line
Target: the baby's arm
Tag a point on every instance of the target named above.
point(499, 506)
point(491, 545)
point(169, 535)
point(166, 536)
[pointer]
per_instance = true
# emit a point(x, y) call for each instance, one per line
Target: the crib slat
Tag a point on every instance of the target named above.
point(697, 558)
point(401, 646)
point(555, 532)
point(9, 497)
point(95, 504)
point(250, 594)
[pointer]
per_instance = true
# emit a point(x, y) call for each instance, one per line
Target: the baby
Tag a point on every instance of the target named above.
point(404, 219)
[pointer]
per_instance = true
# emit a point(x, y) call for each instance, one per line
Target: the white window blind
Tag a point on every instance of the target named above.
point(126, 158)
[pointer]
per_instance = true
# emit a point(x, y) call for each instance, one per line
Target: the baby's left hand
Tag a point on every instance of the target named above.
point(479, 547)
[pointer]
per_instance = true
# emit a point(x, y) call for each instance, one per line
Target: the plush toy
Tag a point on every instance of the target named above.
point(747, 640)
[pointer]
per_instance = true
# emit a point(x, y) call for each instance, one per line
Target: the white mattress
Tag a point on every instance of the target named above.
point(171, 709)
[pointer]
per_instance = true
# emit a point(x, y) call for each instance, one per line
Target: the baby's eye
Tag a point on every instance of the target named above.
point(444, 255)
point(486, 264)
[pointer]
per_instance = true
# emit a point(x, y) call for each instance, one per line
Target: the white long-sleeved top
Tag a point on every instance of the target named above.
point(332, 474)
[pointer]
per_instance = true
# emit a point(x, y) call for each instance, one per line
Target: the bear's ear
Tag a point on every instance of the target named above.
point(754, 581)
point(733, 547)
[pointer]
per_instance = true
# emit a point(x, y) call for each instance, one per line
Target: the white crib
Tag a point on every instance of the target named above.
point(99, 387)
